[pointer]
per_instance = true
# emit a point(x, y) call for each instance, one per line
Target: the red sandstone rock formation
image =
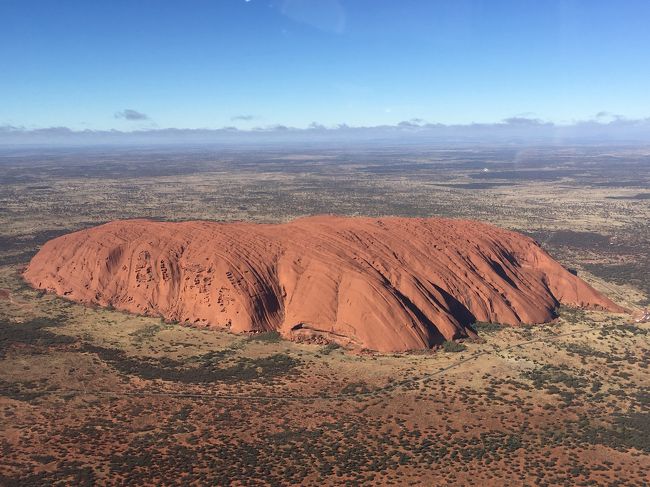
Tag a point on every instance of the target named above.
point(387, 284)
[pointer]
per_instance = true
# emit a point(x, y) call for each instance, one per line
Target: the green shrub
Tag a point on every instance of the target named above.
point(452, 346)
point(486, 327)
point(329, 348)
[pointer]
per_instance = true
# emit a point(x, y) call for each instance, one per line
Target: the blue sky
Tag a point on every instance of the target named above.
point(257, 63)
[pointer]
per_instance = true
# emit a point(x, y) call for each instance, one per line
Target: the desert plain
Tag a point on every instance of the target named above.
point(90, 395)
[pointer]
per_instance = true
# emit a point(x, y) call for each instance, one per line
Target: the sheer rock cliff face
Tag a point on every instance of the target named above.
point(387, 284)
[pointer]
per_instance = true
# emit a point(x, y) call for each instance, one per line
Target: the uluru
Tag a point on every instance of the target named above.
point(385, 284)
